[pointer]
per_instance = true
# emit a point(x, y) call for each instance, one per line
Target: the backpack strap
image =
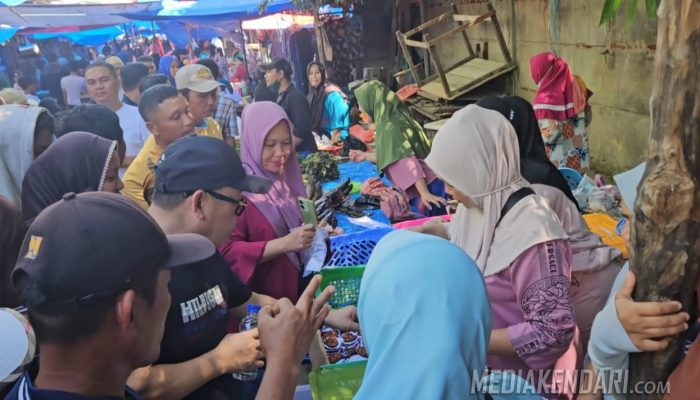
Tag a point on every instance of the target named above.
point(513, 200)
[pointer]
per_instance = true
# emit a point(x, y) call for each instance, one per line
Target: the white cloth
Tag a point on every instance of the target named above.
point(135, 131)
point(477, 152)
point(610, 344)
point(73, 85)
point(16, 148)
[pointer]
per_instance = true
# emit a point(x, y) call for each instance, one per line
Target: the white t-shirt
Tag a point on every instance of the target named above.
point(73, 85)
point(135, 131)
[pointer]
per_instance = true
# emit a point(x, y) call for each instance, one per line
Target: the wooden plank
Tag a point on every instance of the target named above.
point(438, 64)
point(422, 27)
point(463, 27)
point(464, 33)
point(499, 34)
point(460, 85)
point(459, 64)
point(405, 71)
point(415, 43)
point(424, 112)
point(423, 10)
point(467, 18)
point(407, 56)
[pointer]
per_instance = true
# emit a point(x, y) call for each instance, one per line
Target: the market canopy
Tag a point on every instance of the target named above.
point(210, 10)
point(279, 21)
point(56, 16)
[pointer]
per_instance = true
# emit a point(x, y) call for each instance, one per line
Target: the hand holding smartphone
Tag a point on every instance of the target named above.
point(308, 211)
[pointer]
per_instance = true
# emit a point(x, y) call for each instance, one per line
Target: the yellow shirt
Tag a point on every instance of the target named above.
point(139, 177)
point(212, 129)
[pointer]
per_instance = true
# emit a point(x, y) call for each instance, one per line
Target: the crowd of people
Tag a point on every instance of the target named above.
point(137, 229)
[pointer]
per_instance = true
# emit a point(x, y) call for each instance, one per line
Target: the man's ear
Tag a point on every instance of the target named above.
point(124, 312)
point(195, 204)
point(152, 128)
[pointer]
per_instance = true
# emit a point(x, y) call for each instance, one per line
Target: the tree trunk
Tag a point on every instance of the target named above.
point(666, 231)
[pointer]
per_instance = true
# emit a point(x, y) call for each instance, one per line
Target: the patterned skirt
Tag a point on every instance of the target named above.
point(566, 142)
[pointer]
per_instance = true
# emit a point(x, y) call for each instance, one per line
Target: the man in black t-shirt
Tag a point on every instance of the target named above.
point(198, 190)
point(198, 187)
point(278, 75)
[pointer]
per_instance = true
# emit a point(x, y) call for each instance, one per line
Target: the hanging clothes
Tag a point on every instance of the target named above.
point(302, 53)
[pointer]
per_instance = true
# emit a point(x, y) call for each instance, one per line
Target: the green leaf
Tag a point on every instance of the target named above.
point(652, 6)
point(610, 9)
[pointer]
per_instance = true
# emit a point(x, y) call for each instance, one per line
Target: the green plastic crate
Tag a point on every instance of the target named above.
point(338, 381)
point(347, 284)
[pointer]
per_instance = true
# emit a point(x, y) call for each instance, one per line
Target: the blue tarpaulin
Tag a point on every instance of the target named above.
point(94, 37)
point(6, 33)
point(178, 35)
point(211, 10)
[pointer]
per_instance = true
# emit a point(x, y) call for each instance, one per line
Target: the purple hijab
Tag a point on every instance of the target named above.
point(76, 162)
point(279, 206)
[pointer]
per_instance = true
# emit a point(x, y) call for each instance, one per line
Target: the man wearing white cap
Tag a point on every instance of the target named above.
point(197, 84)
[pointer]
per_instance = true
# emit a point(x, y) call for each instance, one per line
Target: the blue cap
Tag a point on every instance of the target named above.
point(253, 308)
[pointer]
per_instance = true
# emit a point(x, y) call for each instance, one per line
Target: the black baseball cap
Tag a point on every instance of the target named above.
point(204, 163)
point(93, 244)
point(279, 64)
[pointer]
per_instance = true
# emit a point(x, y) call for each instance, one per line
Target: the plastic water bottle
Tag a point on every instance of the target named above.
point(249, 322)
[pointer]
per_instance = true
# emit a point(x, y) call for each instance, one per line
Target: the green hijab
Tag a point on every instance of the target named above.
point(398, 134)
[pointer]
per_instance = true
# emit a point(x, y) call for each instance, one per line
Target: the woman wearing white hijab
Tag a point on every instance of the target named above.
point(517, 242)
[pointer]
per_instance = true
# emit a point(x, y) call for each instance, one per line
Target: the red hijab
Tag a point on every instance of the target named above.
point(555, 92)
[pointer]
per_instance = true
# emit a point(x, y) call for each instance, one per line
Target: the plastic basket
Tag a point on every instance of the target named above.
point(573, 177)
point(421, 221)
point(355, 248)
point(347, 284)
point(337, 382)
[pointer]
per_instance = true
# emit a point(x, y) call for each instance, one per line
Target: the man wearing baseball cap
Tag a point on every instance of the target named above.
point(97, 296)
point(198, 187)
point(278, 76)
point(197, 84)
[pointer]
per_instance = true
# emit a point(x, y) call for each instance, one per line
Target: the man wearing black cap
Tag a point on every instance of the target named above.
point(198, 188)
point(97, 297)
point(278, 76)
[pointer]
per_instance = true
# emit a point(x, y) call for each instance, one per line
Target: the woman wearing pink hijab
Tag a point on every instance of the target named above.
point(266, 245)
point(560, 105)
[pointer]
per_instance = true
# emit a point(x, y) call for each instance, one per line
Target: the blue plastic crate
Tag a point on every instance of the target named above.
point(355, 248)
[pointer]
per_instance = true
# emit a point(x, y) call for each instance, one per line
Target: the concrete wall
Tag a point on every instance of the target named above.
point(621, 79)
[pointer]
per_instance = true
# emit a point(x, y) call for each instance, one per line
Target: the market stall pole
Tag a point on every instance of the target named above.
point(666, 230)
point(317, 31)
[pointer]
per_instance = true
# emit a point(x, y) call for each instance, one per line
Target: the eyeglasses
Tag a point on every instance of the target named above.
point(240, 204)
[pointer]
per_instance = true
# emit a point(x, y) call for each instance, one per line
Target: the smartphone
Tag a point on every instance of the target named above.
point(308, 211)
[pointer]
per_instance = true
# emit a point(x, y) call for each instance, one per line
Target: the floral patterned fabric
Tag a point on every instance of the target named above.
point(566, 142)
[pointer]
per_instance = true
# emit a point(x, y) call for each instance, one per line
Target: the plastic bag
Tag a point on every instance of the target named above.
point(605, 200)
point(584, 189)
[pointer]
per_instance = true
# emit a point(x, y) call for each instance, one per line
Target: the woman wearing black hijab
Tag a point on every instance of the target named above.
point(77, 162)
point(330, 110)
point(594, 264)
point(534, 163)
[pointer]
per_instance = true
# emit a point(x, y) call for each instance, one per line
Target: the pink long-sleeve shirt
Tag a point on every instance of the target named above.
point(243, 251)
point(405, 172)
point(532, 299)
